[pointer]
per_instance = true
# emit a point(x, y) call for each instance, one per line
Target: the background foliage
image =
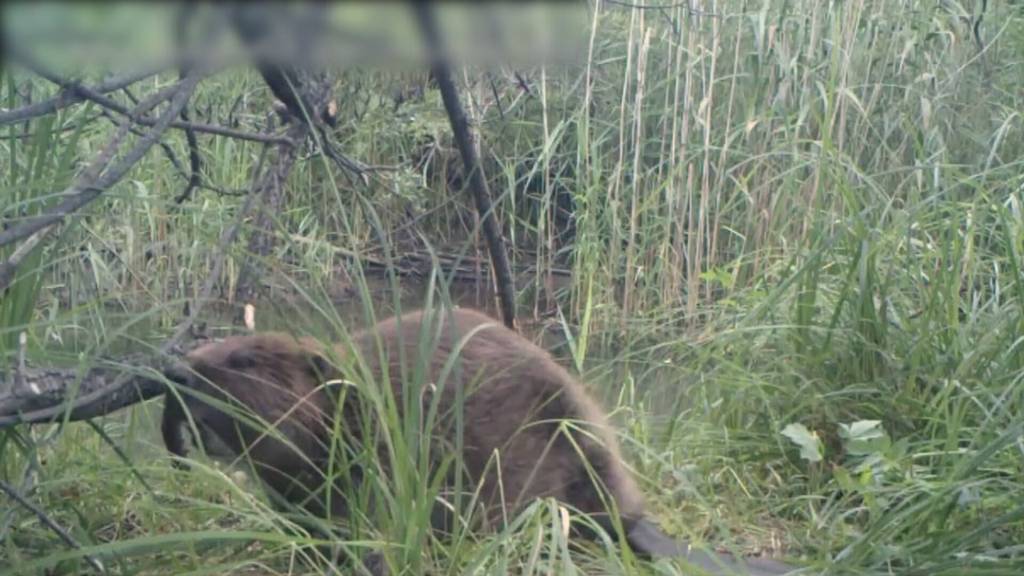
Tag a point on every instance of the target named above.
point(795, 253)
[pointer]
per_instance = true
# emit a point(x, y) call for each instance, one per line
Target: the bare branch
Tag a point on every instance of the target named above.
point(258, 189)
point(271, 191)
point(67, 97)
point(304, 92)
point(97, 178)
point(977, 26)
point(8, 267)
point(45, 396)
point(472, 168)
point(195, 161)
point(185, 14)
point(13, 494)
point(225, 131)
point(67, 127)
point(193, 178)
point(85, 93)
point(172, 157)
point(109, 388)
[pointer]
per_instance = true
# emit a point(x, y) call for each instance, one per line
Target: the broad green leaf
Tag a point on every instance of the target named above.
point(811, 448)
point(864, 437)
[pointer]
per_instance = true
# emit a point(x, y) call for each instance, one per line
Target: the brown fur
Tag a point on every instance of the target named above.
point(517, 401)
point(258, 397)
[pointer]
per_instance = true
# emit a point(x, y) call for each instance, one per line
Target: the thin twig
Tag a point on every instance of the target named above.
point(193, 178)
point(523, 84)
point(221, 191)
point(172, 157)
point(43, 517)
point(67, 97)
point(97, 178)
point(185, 15)
point(257, 190)
point(344, 162)
point(88, 405)
point(28, 482)
point(497, 97)
point(194, 160)
point(225, 131)
point(122, 455)
point(10, 266)
point(86, 93)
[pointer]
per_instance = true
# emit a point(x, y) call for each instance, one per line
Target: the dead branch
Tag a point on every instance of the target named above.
point(97, 177)
point(85, 93)
point(172, 157)
point(194, 176)
point(271, 189)
point(43, 395)
point(84, 190)
point(10, 266)
point(43, 517)
point(109, 387)
point(68, 97)
point(93, 181)
point(185, 15)
point(261, 185)
point(217, 130)
point(472, 168)
point(47, 389)
point(304, 91)
point(976, 28)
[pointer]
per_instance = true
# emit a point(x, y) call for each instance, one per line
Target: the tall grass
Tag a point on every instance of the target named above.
point(800, 216)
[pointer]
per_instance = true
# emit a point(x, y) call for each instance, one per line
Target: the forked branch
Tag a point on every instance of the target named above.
point(43, 395)
point(100, 174)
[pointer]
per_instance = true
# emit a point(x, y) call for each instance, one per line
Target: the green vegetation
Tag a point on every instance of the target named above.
point(796, 284)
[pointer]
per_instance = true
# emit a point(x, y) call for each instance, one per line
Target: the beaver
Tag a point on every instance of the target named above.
point(528, 428)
